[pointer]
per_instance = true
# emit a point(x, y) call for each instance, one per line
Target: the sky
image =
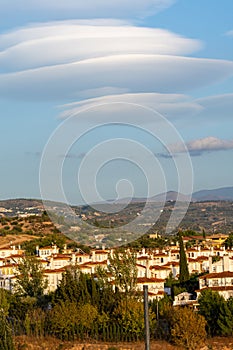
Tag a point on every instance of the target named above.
point(108, 99)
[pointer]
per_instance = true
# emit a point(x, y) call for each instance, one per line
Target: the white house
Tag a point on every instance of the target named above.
point(221, 282)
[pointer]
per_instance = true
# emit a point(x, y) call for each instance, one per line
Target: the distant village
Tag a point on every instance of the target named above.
point(208, 258)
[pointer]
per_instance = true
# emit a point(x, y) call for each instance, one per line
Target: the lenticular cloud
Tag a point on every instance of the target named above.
point(75, 60)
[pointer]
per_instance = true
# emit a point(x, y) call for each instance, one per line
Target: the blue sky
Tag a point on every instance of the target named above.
point(163, 67)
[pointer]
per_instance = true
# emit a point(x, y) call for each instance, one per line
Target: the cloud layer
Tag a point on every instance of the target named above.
point(73, 60)
point(115, 108)
point(67, 42)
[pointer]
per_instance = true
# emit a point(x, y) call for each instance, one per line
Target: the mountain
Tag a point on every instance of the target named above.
point(171, 196)
point(218, 194)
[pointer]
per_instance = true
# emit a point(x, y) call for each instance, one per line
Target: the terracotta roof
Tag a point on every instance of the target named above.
point(158, 267)
point(198, 259)
point(91, 263)
point(47, 271)
point(15, 256)
point(101, 251)
point(149, 280)
point(218, 275)
point(8, 265)
point(139, 265)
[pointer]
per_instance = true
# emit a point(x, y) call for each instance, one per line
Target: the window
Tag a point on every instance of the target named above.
point(215, 283)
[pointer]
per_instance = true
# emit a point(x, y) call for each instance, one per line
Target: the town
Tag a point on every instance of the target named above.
point(209, 259)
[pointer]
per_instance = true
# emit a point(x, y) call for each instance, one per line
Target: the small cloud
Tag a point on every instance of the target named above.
point(200, 146)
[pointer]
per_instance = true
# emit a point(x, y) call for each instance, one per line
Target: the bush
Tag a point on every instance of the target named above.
point(188, 329)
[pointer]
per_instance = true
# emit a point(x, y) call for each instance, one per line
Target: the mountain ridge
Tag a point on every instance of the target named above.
point(218, 194)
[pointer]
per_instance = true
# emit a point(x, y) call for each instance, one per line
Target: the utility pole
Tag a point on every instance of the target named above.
point(146, 318)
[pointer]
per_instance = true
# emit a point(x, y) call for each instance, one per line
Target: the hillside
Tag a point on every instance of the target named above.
point(211, 216)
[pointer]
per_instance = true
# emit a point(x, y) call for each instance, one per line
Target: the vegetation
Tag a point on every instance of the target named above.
point(29, 279)
point(229, 241)
point(87, 307)
point(184, 272)
point(217, 312)
point(188, 329)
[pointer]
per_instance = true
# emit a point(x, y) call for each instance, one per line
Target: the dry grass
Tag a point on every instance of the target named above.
point(26, 343)
point(15, 240)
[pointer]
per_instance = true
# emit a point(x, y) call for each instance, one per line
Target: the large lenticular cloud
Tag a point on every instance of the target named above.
point(66, 60)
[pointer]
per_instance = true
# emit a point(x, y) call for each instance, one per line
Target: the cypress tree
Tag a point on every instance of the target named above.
point(184, 272)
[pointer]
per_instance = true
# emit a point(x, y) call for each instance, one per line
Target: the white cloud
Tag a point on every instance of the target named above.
point(218, 108)
point(78, 60)
point(200, 146)
point(115, 108)
point(133, 73)
point(87, 8)
point(66, 42)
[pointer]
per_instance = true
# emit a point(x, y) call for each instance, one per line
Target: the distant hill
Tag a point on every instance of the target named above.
point(219, 194)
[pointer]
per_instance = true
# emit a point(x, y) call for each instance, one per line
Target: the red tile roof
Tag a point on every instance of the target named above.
point(149, 280)
point(218, 275)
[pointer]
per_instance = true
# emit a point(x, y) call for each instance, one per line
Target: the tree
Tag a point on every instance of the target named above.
point(188, 328)
point(184, 272)
point(63, 320)
point(68, 289)
point(68, 319)
point(124, 271)
point(225, 320)
point(229, 241)
point(131, 318)
point(210, 306)
point(29, 279)
point(6, 339)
